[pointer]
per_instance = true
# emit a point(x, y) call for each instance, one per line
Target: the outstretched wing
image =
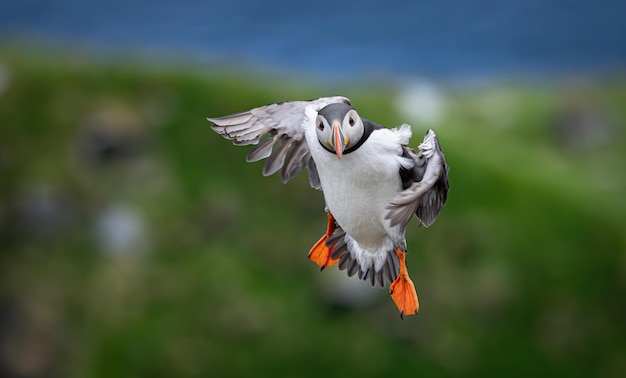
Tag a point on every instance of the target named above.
point(425, 185)
point(278, 132)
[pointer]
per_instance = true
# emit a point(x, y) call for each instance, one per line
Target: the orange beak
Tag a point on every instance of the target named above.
point(338, 140)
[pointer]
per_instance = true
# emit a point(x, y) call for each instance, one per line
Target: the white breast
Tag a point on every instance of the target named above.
point(360, 185)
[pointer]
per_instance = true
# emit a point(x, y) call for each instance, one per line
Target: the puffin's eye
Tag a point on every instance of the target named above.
point(351, 121)
point(320, 126)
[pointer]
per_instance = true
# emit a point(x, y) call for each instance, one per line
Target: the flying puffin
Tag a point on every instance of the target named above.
point(372, 181)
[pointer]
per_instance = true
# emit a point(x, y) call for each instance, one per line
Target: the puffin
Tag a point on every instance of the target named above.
point(372, 181)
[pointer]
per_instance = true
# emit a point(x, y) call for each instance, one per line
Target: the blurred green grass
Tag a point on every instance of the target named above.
point(523, 273)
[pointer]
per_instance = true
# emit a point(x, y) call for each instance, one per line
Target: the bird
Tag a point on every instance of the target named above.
point(372, 181)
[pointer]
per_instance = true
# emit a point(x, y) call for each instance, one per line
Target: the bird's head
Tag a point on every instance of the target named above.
point(338, 127)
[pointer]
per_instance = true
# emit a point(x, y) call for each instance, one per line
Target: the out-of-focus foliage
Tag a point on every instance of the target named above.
point(136, 242)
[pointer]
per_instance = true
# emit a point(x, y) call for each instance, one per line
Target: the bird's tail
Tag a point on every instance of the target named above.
point(340, 248)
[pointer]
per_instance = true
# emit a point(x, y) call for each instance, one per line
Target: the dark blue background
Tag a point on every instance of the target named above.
point(449, 38)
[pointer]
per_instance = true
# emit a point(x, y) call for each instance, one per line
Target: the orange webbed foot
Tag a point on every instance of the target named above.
point(402, 289)
point(320, 254)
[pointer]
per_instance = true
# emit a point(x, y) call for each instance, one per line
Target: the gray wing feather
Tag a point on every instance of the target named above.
point(314, 177)
point(262, 150)
point(427, 185)
point(277, 158)
point(282, 125)
point(295, 161)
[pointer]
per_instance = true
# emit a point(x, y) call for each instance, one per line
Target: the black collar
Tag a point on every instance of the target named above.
point(368, 128)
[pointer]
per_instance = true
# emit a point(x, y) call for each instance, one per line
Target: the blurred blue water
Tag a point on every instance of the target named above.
point(448, 38)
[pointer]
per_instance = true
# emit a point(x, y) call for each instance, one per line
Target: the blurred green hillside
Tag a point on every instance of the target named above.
point(135, 242)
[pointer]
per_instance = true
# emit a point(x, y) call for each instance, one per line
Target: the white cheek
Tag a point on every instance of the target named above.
point(354, 134)
point(322, 135)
